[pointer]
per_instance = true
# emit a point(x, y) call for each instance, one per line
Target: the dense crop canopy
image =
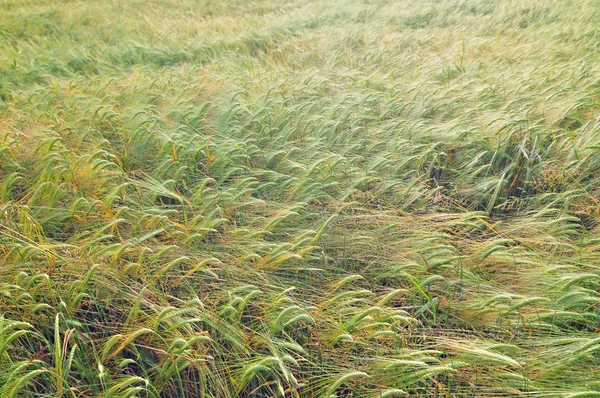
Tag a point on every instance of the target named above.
point(303, 198)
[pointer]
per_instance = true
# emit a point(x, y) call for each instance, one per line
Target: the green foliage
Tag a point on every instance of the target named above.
point(299, 198)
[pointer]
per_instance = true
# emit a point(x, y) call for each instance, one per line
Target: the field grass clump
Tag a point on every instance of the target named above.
point(299, 198)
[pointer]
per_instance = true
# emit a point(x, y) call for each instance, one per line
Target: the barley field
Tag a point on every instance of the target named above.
point(299, 198)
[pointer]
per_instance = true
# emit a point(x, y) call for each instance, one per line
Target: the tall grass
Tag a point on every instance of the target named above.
point(302, 198)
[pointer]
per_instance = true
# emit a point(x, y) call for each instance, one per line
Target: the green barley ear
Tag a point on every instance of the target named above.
point(9, 332)
point(342, 380)
point(125, 341)
point(20, 377)
point(58, 355)
point(126, 387)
